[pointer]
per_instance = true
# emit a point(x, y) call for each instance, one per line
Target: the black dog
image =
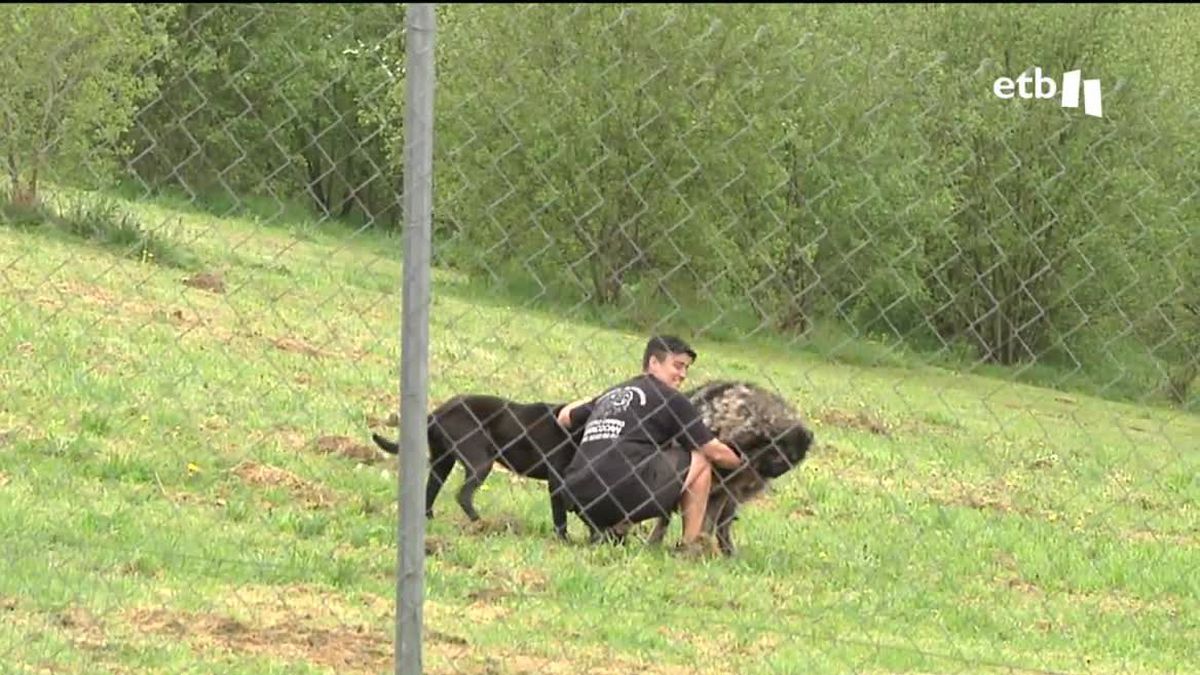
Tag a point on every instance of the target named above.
point(762, 426)
point(479, 430)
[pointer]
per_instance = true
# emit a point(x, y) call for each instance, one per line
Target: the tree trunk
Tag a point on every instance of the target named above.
point(351, 187)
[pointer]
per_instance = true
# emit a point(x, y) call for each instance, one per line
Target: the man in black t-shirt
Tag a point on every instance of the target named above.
point(645, 449)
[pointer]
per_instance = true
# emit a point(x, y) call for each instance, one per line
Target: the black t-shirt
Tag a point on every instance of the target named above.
point(641, 415)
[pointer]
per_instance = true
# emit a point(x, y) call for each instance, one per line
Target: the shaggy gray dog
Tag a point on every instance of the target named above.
point(761, 425)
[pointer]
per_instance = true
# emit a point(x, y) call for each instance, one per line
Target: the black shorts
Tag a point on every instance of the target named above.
point(629, 484)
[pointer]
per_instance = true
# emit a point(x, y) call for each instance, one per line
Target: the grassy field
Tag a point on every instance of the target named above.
point(186, 487)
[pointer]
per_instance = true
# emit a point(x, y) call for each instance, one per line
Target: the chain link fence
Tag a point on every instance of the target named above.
point(244, 249)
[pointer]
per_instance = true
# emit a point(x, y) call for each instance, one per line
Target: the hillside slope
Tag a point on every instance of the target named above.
point(186, 484)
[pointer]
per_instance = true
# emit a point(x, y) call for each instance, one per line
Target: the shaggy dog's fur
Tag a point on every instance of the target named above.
point(762, 426)
point(479, 430)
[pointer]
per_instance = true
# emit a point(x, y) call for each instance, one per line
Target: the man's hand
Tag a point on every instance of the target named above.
point(564, 415)
point(722, 455)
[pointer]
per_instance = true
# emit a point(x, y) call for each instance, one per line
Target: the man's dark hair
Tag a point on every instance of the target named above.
point(660, 346)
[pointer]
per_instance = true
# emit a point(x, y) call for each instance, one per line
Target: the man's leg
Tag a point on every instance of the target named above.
point(694, 500)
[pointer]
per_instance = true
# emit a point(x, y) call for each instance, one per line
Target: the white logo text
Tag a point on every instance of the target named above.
point(1046, 87)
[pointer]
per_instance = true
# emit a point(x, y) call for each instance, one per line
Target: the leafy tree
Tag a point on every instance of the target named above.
point(278, 101)
point(72, 86)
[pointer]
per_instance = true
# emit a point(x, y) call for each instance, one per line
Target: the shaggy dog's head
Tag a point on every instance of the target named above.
point(757, 422)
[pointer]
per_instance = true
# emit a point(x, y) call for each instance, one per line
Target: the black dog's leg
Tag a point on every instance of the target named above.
point(606, 536)
point(440, 465)
point(596, 534)
point(476, 475)
point(660, 531)
point(558, 510)
point(617, 534)
point(474, 449)
point(724, 527)
point(555, 466)
point(439, 473)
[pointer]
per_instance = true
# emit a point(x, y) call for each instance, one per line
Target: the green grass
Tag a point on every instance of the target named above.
point(164, 505)
point(100, 221)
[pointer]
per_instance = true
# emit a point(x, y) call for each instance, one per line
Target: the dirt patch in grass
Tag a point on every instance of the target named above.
point(804, 511)
point(265, 475)
point(7, 436)
point(1183, 539)
point(76, 625)
point(1112, 602)
point(435, 545)
point(349, 635)
point(859, 420)
point(294, 635)
point(305, 624)
point(995, 495)
point(455, 649)
point(286, 437)
point(213, 282)
point(500, 524)
point(874, 422)
point(82, 625)
point(521, 580)
point(188, 320)
point(207, 325)
point(330, 444)
point(985, 497)
point(848, 471)
point(505, 662)
point(344, 446)
point(297, 346)
point(71, 294)
point(78, 290)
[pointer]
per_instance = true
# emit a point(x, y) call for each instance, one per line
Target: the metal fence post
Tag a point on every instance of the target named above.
point(419, 82)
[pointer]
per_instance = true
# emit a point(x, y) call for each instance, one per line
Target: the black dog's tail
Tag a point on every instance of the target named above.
point(388, 446)
point(438, 441)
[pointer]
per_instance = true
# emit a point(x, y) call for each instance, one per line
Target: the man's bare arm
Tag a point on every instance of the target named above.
point(721, 454)
point(564, 415)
